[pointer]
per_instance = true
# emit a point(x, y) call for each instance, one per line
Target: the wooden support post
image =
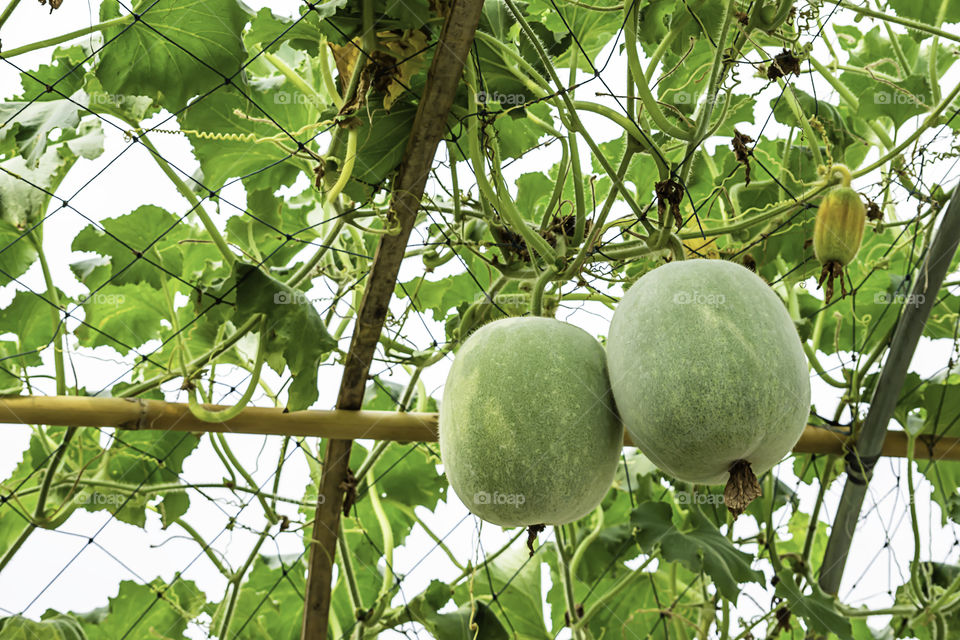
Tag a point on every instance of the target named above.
point(429, 126)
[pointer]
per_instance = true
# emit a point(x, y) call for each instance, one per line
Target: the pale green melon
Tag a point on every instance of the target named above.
point(528, 433)
point(707, 370)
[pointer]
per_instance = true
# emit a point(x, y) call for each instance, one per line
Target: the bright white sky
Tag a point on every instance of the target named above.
point(140, 555)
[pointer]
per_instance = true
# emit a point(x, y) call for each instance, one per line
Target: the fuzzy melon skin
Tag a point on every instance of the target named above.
point(528, 432)
point(707, 369)
point(838, 227)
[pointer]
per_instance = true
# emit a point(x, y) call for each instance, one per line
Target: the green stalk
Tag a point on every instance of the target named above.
point(162, 488)
point(930, 120)
point(579, 201)
point(7, 11)
point(915, 584)
point(897, 49)
point(307, 267)
point(433, 536)
point(505, 205)
point(227, 451)
point(49, 42)
point(932, 71)
point(587, 541)
point(664, 45)
point(15, 546)
point(600, 604)
point(195, 364)
point(208, 415)
point(191, 197)
point(813, 141)
point(536, 299)
point(295, 78)
point(235, 581)
point(637, 134)
point(207, 549)
point(455, 180)
point(346, 563)
point(54, 298)
point(895, 19)
point(772, 211)
point(570, 107)
point(815, 514)
point(898, 610)
point(326, 76)
point(650, 103)
point(349, 160)
point(703, 120)
point(386, 585)
point(598, 223)
point(567, 580)
point(815, 363)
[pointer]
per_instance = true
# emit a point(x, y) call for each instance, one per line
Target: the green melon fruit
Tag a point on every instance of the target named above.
point(837, 234)
point(838, 228)
point(708, 372)
point(528, 433)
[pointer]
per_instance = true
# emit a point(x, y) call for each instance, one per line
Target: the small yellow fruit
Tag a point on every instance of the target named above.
point(837, 234)
point(838, 230)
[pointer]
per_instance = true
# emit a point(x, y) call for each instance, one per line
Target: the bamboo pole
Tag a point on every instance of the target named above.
point(429, 127)
point(137, 413)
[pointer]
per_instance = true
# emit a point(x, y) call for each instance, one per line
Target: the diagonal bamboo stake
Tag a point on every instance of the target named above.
point(394, 426)
point(429, 126)
point(860, 461)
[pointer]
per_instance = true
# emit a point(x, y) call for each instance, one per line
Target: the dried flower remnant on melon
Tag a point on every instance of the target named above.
point(742, 488)
point(532, 532)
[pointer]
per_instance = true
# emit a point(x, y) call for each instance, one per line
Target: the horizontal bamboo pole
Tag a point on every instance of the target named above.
point(138, 413)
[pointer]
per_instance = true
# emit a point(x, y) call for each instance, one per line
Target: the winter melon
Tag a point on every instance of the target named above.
point(708, 372)
point(528, 431)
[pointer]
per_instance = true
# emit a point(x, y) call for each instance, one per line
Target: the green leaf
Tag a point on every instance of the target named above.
point(175, 51)
point(27, 126)
point(295, 329)
point(533, 193)
point(909, 97)
point(925, 12)
point(477, 622)
point(695, 543)
point(440, 296)
point(142, 458)
point(141, 610)
point(516, 134)
point(54, 626)
point(837, 131)
point(262, 234)
point(39, 332)
point(143, 246)
point(65, 75)
point(381, 139)
point(17, 252)
point(270, 601)
point(515, 579)
point(253, 134)
point(122, 317)
point(12, 366)
point(129, 108)
point(306, 32)
point(591, 29)
point(817, 610)
point(25, 189)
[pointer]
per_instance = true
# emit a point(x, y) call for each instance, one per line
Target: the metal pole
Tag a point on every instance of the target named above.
point(864, 454)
